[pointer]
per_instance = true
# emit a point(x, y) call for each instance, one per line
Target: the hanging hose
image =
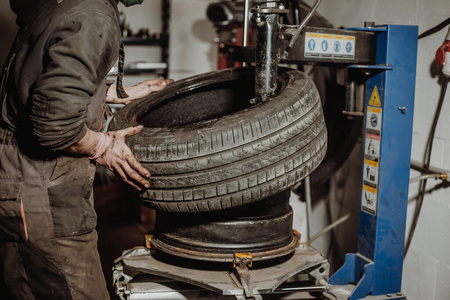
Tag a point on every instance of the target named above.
point(443, 176)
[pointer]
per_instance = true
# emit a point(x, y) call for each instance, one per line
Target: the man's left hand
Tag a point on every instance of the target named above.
point(137, 91)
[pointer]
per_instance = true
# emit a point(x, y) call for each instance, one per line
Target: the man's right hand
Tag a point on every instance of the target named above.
point(111, 151)
point(118, 158)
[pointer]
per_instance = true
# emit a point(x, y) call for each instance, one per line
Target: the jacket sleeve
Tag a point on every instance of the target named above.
point(81, 51)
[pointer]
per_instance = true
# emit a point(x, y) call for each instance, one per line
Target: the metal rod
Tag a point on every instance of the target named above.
point(266, 58)
point(350, 99)
point(331, 226)
point(245, 33)
point(303, 24)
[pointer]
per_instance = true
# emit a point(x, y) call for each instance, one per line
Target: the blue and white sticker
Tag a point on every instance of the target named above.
point(321, 45)
point(373, 120)
point(311, 45)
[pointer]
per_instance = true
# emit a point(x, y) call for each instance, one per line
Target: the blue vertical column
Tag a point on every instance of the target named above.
point(377, 267)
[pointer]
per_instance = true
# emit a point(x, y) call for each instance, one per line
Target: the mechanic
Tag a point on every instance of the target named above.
point(53, 112)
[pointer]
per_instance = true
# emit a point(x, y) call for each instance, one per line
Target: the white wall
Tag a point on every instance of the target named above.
point(427, 265)
point(192, 49)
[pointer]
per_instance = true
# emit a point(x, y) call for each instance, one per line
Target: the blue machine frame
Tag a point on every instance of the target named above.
point(377, 267)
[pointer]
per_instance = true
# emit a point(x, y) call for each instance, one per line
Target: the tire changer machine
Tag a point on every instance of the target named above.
point(383, 57)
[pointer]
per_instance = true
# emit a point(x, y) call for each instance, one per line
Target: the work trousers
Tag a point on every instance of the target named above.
point(48, 242)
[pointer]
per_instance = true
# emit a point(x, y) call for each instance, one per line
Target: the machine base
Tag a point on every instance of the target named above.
point(305, 266)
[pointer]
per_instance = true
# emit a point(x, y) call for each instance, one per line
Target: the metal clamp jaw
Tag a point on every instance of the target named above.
point(269, 7)
point(241, 263)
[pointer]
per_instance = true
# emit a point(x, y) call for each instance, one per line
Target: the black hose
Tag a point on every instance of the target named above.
point(427, 159)
point(434, 29)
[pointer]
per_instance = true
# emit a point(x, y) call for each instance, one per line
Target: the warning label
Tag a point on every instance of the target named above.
point(375, 98)
point(372, 146)
point(369, 200)
point(329, 46)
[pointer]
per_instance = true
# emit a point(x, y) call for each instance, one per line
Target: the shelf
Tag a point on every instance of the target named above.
point(145, 67)
point(151, 41)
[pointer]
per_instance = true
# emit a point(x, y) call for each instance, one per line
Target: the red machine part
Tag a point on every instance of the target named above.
point(440, 53)
point(226, 48)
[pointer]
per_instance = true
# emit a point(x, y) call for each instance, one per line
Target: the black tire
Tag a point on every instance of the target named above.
point(208, 149)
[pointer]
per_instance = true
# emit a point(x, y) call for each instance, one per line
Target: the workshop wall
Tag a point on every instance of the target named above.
point(427, 265)
point(192, 49)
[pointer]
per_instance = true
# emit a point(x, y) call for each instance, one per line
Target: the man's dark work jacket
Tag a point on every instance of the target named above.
point(58, 88)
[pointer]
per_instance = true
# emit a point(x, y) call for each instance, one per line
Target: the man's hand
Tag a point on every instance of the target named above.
point(118, 158)
point(137, 91)
point(109, 149)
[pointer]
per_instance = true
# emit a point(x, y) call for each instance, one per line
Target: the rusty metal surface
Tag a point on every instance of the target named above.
point(263, 229)
point(224, 257)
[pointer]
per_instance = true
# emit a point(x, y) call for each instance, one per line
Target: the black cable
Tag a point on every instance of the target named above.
point(330, 221)
point(427, 159)
point(434, 29)
point(339, 215)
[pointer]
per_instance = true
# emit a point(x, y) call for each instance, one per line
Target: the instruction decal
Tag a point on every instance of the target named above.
point(369, 200)
point(372, 146)
point(323, 45)
point(370, 173)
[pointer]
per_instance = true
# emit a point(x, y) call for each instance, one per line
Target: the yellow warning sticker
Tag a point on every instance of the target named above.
point(371, 163)
point(375, 98)
point(375, 110)
point(370, 189)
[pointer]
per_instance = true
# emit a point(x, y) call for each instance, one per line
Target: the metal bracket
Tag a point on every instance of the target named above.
point(240, 258)
point(120, 281)
point(319, 275)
